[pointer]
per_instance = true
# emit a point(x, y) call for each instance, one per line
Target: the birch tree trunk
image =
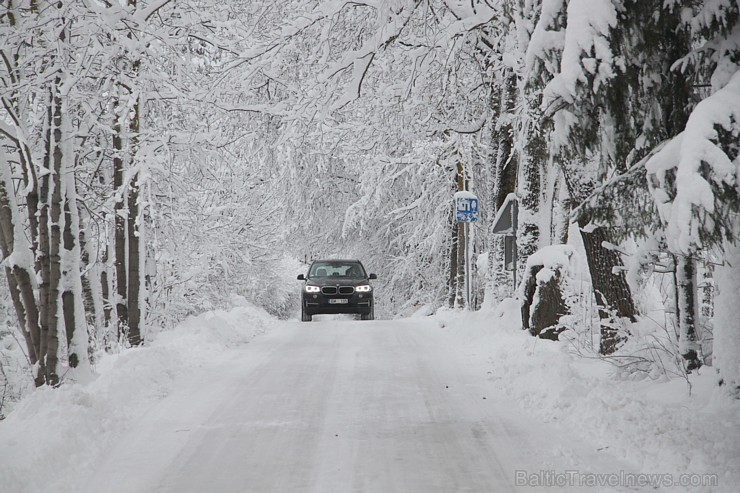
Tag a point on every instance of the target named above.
point(687, 304)
point(19, 253)
point(19, 278)
point(54, 259)
point(73, 300)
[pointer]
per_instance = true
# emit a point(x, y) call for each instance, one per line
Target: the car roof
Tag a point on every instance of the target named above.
point(336, 260)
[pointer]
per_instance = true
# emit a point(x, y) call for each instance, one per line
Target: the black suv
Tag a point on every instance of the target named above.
point(337, 286)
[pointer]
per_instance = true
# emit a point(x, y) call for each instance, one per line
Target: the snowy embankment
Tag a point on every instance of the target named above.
point(658, 425)
point(56, 434)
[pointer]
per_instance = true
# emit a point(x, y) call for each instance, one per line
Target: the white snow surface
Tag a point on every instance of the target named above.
point(52, 439)
point(464, 194)
point(457, 401)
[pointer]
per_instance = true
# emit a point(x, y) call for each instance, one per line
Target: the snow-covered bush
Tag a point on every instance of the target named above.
point(16, 377)
point(210, 285)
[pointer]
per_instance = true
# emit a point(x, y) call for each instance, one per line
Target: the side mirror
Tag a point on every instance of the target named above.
point(372, 276)
point(301, 277)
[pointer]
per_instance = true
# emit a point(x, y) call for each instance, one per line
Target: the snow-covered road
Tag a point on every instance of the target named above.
point(339, 406)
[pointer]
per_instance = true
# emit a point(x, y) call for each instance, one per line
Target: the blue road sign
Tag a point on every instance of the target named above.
point(466, 207)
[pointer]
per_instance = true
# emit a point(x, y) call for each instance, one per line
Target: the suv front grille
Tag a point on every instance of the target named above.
point(338, 290)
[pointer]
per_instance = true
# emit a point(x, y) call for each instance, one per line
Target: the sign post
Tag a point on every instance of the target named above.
point(466, 212)
point(505, 223)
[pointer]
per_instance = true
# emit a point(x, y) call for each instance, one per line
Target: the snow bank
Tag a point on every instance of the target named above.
point(659, 426)
point(54, 433)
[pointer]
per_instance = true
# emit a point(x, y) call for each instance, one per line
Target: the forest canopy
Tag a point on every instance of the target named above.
point(158, 157)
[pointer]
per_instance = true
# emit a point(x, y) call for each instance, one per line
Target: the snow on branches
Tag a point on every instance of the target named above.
point(587, 52)
point(695, 177)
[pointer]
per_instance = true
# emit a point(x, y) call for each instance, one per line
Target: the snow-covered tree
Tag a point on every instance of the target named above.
point(695, 183)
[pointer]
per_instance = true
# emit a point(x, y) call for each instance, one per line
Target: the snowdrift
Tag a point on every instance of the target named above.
point(56, 434)
point(660, 425)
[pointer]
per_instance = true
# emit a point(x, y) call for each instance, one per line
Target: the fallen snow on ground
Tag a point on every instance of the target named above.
point(58, 433)
point(655, 426)
point(659, 426)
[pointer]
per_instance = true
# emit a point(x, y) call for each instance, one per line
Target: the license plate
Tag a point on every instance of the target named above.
point(338, 301)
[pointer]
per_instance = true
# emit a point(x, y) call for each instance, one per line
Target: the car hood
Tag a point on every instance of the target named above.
point(335, 281)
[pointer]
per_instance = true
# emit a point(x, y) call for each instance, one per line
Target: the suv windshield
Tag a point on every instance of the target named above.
point(337, 268)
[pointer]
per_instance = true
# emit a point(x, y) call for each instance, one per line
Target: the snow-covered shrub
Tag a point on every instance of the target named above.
point(16, 378)
point(209, 284)
point(274, 287)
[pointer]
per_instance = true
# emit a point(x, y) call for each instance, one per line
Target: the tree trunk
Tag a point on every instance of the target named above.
point(687, 303)
point(134, 271)
point(461, 266)
point(120, 228)
point(43, 267)
point(462, 240)
point(101, 273)
point(72, 299)
point(55, 243)
point(92, 310)
point(506, 163)
point(493, 241)
point(561, 214)
point(529, 187)
point(105, 294)
point(504, 174)
point(543, 304)
point(457, 263)
point(134, 241)
point(611, 290)
point(452, 287)
point(19, 281)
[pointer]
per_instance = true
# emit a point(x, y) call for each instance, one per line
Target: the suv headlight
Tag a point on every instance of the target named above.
point(363, 288)
point(312, 289)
